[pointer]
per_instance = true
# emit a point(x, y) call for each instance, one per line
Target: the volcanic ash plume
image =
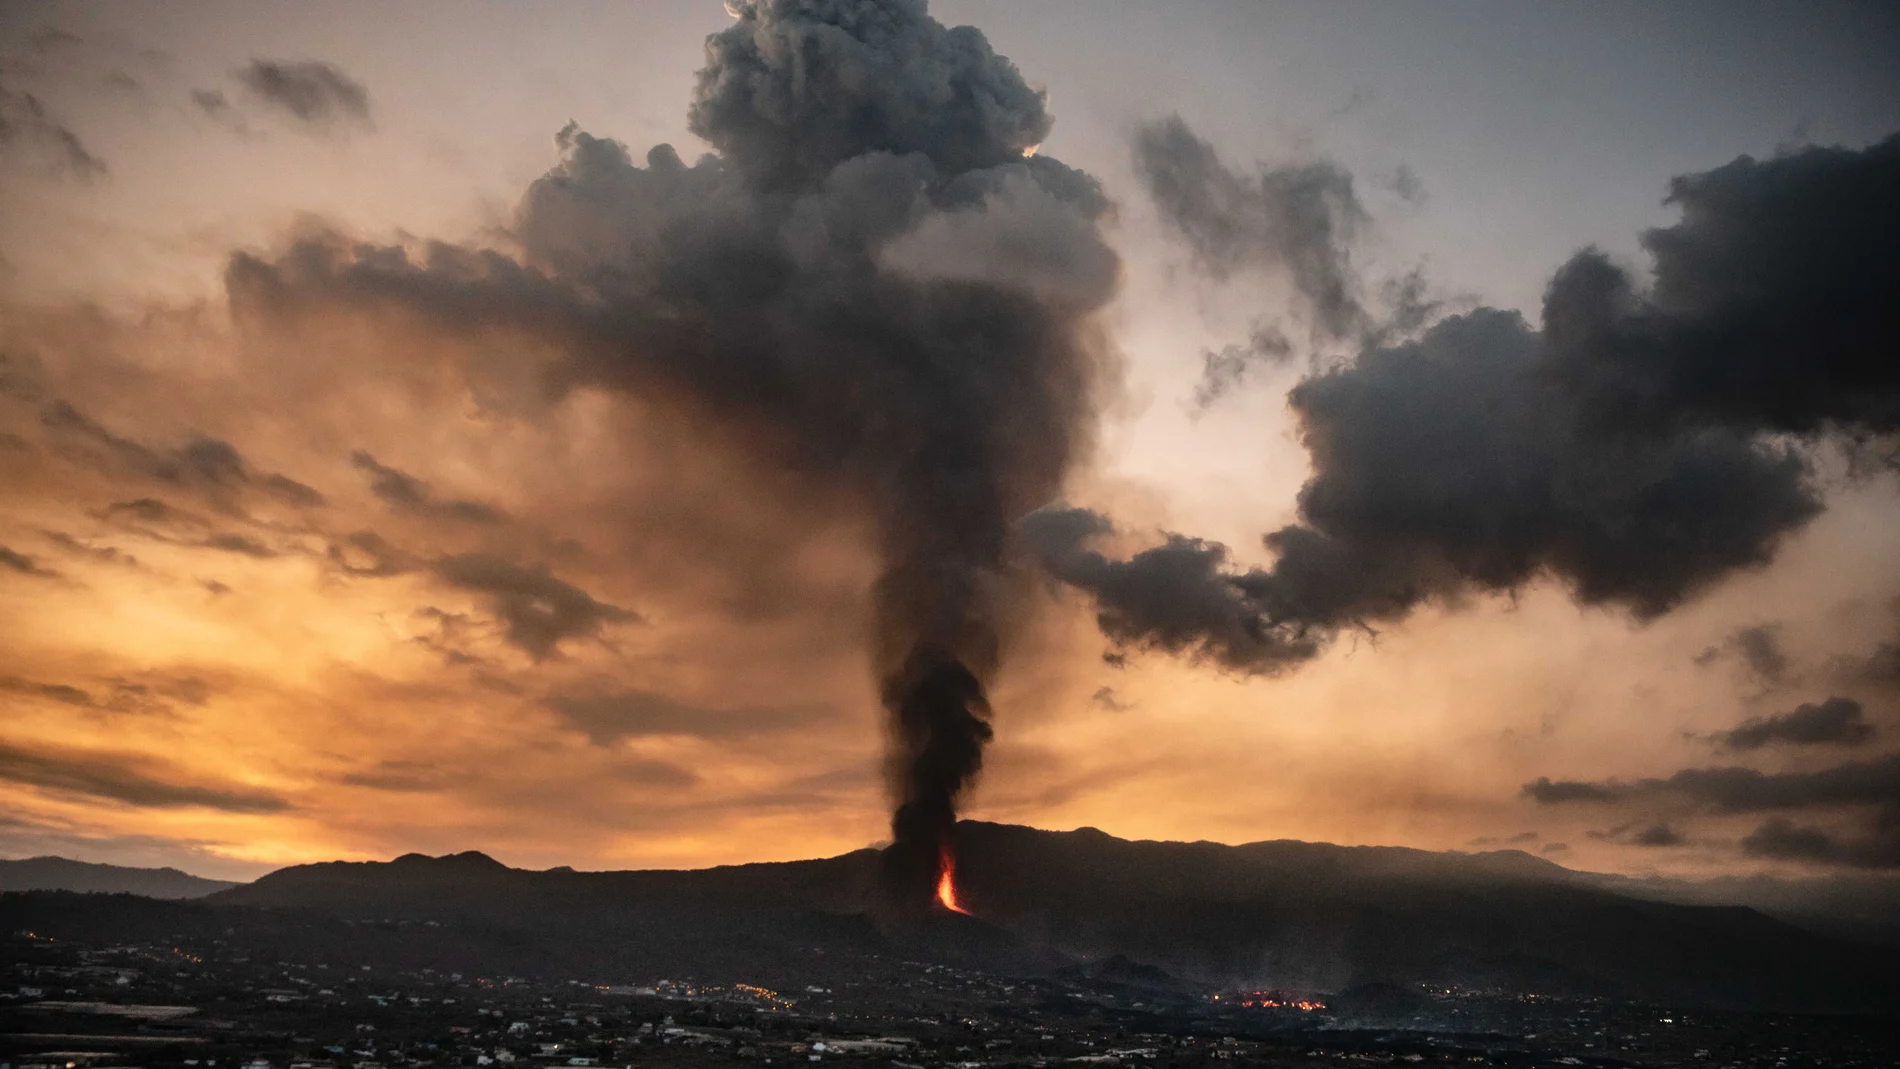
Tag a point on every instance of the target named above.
point(871, 282)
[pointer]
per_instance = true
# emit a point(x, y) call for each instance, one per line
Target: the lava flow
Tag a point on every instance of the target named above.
point(946, 882)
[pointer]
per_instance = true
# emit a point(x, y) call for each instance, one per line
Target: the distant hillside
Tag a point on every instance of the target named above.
point(1273, 914)
point(1293, 914)
point(64, 874)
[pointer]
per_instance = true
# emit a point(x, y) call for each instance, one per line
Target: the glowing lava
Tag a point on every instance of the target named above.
point(946, 883)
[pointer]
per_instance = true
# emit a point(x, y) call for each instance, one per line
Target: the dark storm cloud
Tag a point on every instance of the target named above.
point(1743, 790)
point(14, 560)
point(1634, 448)
point(868, 284)
point(25, 124)
point(1780, 839)
point(407, 493)
point(315, 93)
point(125, 778)
point(1300, 220)
point(1834, 722)
point(538, 611)
point(608, 718)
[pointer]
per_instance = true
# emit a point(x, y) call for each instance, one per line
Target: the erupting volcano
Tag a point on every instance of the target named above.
point(947, 882)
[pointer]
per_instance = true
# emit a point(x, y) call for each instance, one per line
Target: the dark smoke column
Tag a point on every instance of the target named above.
point(979, 394)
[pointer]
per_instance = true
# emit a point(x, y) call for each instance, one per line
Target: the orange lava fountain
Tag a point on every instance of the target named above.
point(946, 882)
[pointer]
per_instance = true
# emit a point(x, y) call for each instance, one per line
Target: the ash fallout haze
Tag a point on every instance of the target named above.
point(667, 435)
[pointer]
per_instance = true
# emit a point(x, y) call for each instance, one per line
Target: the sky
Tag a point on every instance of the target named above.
point(362, 494)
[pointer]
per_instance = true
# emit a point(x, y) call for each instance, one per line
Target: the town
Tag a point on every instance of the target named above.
point(219, 1005)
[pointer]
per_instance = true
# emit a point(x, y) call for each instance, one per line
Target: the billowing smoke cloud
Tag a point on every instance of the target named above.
point(870, 283)
point(1300, 220)
point(1635, 448)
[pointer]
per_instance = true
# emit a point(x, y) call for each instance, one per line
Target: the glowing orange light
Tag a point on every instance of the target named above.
point(946, 882)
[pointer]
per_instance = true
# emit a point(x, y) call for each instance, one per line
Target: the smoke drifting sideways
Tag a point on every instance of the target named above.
point(1641, 446)
point(872, 283)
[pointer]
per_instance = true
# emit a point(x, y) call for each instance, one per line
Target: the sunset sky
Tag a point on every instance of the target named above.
point(293, 571)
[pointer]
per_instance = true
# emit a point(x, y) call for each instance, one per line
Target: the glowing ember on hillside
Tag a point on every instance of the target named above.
point(946, 882)
point(1276, 1000)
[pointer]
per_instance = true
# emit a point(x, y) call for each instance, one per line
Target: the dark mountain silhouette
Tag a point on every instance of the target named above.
point(1296, 915)
point(63, 874)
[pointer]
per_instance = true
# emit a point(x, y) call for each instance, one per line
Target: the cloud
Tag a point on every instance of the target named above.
point(104, 554)
point(148, 693)
point(127, 778)
point(209, 465)
point(608, 718)
point(1635, 448)
point(58, 692)
point(538, 611)
point(1780, 839)
point(1742, 790)
point(152, 518)
point(315, 93)
point(400, 776)
point(1759, 647)
point(368, 554)
point(407, 493)
point(1549, 792)
point(26, 123)
point(14, 560)
point(1658, 834)
point(1836, 722)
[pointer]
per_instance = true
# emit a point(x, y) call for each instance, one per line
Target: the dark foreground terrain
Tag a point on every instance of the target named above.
point(215, 1003)
point(1083, 949)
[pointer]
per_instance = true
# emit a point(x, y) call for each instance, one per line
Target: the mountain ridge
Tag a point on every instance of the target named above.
point(48, 872)
point(1285, 913)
